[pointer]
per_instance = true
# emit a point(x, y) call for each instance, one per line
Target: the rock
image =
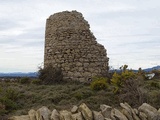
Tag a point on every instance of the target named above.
point(74, 109)
point(77, 116)
point(126, 107)
point(86, 112)
point(142, 116)
point(43, 113)
point(127, 114)
point(55, 115)
point(150, 111)
point(159, 110)
point(98, 115)
point(106, 110)
point(107, 119)
point(117, 115)
point(32, 114)
point(65, 115)
point(133, 112)
point(22, 117)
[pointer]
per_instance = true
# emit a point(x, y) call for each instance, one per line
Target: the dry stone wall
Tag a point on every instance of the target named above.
point(70, 45)
point(83, 112)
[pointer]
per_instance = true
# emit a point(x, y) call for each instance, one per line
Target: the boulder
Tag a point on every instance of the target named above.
point(106, 110)
point(133, 111)
point(107, 119)
point(98, 115)
point(117, 115)
point(22, 117)
point(32, 114)
point(55, 115)
point(74, 109)
point(86, 112)
point(142, 116)
point(43, 113)
point(159, 110)
point(127, 114)
point(77, 116)
point(150, 111)
point(65, 115)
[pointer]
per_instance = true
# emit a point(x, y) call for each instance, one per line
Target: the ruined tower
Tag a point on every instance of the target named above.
point(70, 45)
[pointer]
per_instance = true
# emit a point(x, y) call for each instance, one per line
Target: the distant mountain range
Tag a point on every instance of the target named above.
point(153, 68)
point(19, 74)
point(146, 70)
point(35, 74)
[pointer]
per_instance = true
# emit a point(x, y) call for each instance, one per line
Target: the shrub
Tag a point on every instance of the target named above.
point(9, 104)
point(132, 93)
point(12, 94)
point(99, 84)
point(9, 99)
point(118, 80)
point(36, 82)
point(50, 74)
point(24, 80)
point(154, 84)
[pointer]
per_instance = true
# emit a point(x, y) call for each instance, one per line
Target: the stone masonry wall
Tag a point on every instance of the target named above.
point(83, 112)
point(70, 45)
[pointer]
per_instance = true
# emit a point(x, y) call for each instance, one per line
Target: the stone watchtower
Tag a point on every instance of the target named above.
point(70, 45)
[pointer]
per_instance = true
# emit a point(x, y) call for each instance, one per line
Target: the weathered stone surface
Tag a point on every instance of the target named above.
point(142, 116)
point(74, 109)
point(23, 117)
point(86, 112)
point(150, 111)
point(106, 110)
point(108, 119)
point(116, 114)
point(144, 112)
point(32, 114)
point(70, 45)
point(43, 113)
point(127, 114)
point(77, 116)
point(130, 110)
point(98, 115)
point(65, 115)
point(55, 115)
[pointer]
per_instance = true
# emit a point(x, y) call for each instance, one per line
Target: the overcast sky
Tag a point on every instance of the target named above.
point(129, 30)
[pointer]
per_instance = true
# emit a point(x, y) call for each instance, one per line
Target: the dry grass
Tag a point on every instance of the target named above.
point(65, 95)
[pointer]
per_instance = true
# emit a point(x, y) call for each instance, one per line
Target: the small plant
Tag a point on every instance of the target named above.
point(36, 82)
point(154, 84)
point(9, 100)
point(118, 80)
point(50, 74)
point(99, 84)
point(24, 80)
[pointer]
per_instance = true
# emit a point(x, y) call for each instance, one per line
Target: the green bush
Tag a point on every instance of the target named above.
point(24, 80)
point(99, 84)
point(154, 84)
point(8, 98)
point(118, 80)
point(36, 81)
point(50, 74)
point(9, 104)
point(12, 94)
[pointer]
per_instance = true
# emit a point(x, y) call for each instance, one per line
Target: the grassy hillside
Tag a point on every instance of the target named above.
point(17, 98)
